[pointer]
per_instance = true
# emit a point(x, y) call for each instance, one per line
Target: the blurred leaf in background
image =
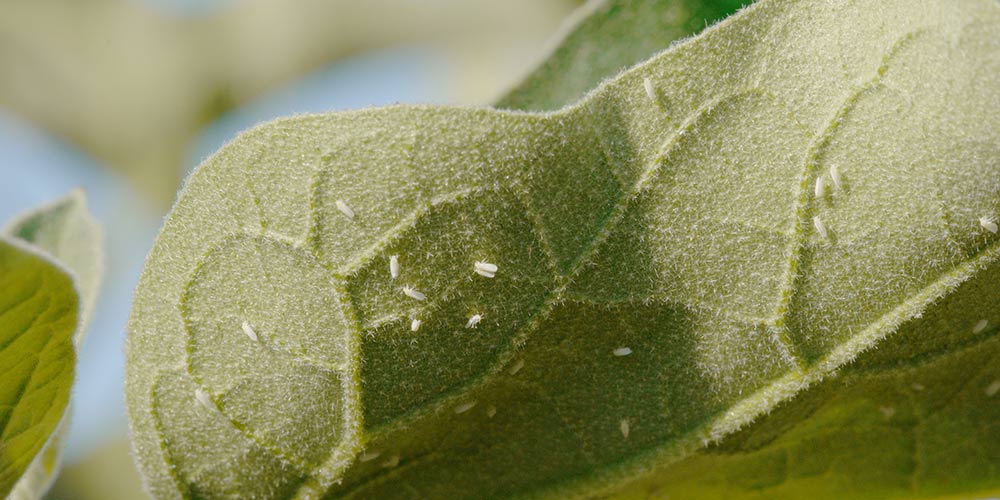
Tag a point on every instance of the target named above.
point(133, 86)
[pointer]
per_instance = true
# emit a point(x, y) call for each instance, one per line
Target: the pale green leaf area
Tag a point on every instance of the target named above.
point(105, 473)
point(605, 37)
point(38, 315)
point(67, 233)
point(667, 275)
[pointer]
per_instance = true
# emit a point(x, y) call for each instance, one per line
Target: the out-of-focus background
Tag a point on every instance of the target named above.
point(125, 97)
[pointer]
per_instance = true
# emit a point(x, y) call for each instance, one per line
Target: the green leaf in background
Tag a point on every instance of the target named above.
point(605, 37)
point(39, 308)
point(64, 232)
point(704, 240)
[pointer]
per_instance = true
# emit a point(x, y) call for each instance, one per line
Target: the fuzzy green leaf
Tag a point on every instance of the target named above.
point(798, 451)
point(886, 427)
point(667, 272)
point(65, 232)
point(603, 38)
point(38, 315)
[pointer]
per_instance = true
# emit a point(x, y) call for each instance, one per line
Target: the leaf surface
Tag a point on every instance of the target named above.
point(807, 448)
point(67, 231)
point(915, 418)
point(64, 231)
point(667, 272)
point(603, 38)
point(38, 315)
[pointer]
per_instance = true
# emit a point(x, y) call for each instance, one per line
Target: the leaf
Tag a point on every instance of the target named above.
point(667, 275)
point(38, 315)
point(802, 450)
point(602, 39)
point(40, 475)
point(915, 418)
point(68, 232)
point(64, 231)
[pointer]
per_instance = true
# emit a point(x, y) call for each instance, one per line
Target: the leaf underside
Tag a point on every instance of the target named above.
point(667, 275)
